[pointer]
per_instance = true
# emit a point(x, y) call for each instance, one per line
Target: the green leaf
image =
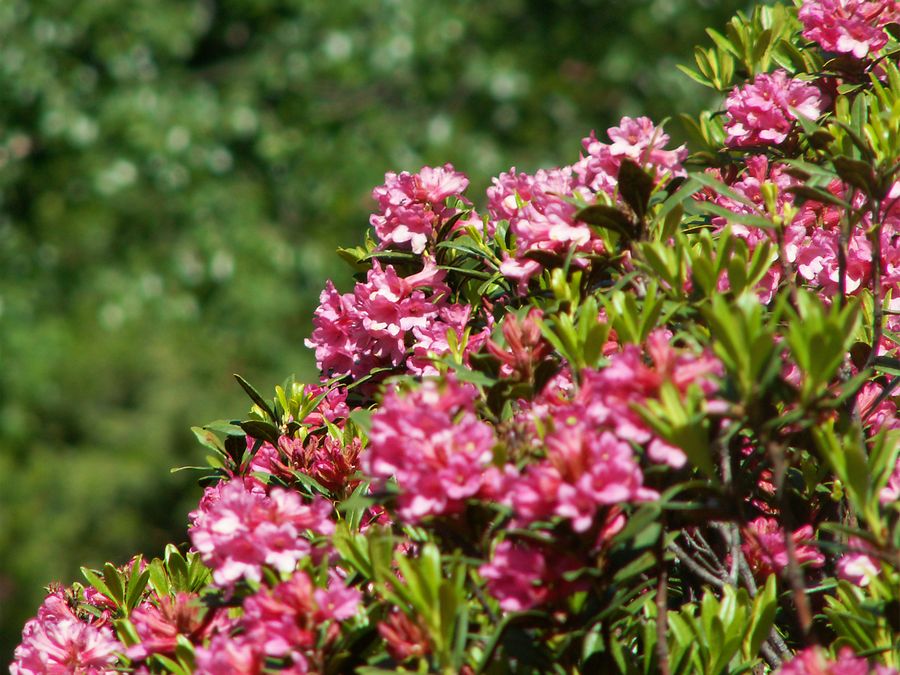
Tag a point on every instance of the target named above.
point(113, 579)
point(635, 187)
point(608, 217)
point(256, 398)
point(261, 430)
point(97, 582)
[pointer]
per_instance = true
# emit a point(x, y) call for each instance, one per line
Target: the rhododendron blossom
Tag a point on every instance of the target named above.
point(764, 112)
point(411, 206)
point(239, 528)
point(812, 661)
point(227, 655)
point(432, 443)
point(328, 460)
point(848, 26)
point(56, 641)
point(636, 139)
point(584, 471)
point(857, 566)
point(766, 551)
point(285, 621)
point(522, 576)
point(371, 327)
point(610, 396)
point(159, 624)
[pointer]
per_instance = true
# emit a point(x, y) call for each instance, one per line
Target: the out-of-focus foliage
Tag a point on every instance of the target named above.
point(174, 175)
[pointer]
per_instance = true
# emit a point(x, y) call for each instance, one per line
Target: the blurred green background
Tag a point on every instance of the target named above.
point(174, 177)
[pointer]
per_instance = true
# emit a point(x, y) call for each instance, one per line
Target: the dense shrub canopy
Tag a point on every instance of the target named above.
point(634, 414)
point(174, 175)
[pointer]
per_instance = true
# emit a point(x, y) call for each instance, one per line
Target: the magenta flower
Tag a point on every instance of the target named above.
point(369, 328)
point(404, 638)
point(227, 655)
point(522, 576)
point(848, 26)
point(238, 528)
point(891, 492)
point(159, 624)
point(541, 219)
point(637, 139)
point(56, 641)
point(765, 550)
point(813, 661)
point(857, 566)
point(763, 113)
point(431, 441)
point(286, 620)
point(609, 396)
point(585, 470)
point(412, 205)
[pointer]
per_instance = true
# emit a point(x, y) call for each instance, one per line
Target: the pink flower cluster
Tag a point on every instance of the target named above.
point(412, 206)
point(238, 528)
point(539, 208)
point(637, 139)
point(159, 622)
point(590, 464)
point(541, 218)
point(384, 318)
point(330, 461)
point(431, 441)
point(848, 26)
point(585, 471)
point(522, 576)
point(57, 641)
point(763, 113)
point(812, 236)
point(813, 661)
point(766, 552)
point(285, 622)
point(609, 396)
point(332, 408)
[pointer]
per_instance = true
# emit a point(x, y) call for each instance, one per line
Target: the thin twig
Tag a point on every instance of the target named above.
point(794, 571)
point(695, 567)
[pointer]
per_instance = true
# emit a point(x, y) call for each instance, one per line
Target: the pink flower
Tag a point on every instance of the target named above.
point(813, 661)
point(227, 655)
point(431, 441)
point(585, 470)
point(541, 219)
point(55, 641)
point(609, 396)
point(848, 26)
point(238, 528)
point(857, 567)
point(331, 462)
point(403, 637)
point(432, 341)
point(159, 625)
point(286, 620)
point(369, 328)
point(637, 139)
point(522, 576)
point(766, 552)
point(762, 113)
point(891, 492)
point(525, 347)
point(412, 205)
point(508, 192)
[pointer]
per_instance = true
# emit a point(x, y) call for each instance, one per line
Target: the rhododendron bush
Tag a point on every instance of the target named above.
point(633, 414)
